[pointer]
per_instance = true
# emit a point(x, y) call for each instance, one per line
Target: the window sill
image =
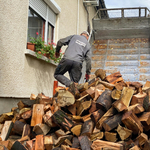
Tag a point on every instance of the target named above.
point(32, 53)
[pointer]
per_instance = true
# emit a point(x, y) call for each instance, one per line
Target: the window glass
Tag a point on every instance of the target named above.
point(35, 24)
point(50, 33)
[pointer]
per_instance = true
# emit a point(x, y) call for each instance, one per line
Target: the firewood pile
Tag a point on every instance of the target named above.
point(105, 113)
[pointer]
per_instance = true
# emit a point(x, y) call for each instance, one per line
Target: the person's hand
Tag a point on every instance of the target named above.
point(57, 54)
point(87, 77)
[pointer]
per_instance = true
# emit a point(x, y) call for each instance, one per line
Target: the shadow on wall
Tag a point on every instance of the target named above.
point(41, 75)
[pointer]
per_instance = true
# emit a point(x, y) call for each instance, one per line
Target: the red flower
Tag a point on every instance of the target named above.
point(37, 33)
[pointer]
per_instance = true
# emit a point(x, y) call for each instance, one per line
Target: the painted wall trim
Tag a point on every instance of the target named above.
point(53, 5)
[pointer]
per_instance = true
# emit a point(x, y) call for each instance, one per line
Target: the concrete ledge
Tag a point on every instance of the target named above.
point(31, 53)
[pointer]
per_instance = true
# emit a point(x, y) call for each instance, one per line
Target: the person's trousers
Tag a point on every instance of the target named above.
point(72, 67)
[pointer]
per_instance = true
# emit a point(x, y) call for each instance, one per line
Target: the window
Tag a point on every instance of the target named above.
point(50, 34)
point(35, 24)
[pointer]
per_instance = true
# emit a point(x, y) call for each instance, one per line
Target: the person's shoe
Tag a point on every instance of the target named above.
point(73, 89)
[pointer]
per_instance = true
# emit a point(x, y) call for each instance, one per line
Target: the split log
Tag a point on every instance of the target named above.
point(87, 128)
point(141, 139)
point(137, 108)
point(146, 103)
point(120, 85)
point(86, 117)
point(29, 145)
point(105, 144)
point(76, 130)
point(5, 117)
point(111, 112)
point(85, 143)
point(39, 143)
point(83, 86)
point(18, 127)
point(37, 115)
point(26, 130)
point(65, 98)
point(25, 138)
point(100, 73)
point(72, 109)
point(48, 142)
point(26, 114)
point(17, 145)
point(112, 122)
point(107, 85)
point(146, 145)
point(135, 148)
point(2, 147)
point(62, 120)
point(75, 142)
point(93, 82)
point(93, 107)
point(123, 132)
point(145, 118)
point(110, 136)
point(119, 105)
point(7, 144)
point(97, 136)
point(21, 105)
point(116, 94)
point(114, 78)
point(41, 129)
point(6, 130)
point(91, 92)
point(132, 122)
point(105, 100)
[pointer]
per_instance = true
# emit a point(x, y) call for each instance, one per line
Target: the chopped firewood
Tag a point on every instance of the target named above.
point(137, 108)
point(67, 142)
point(60, 132)
point(97, 136)
point(110, 136)
point(100, 73)
point(72, 109)
point(7, 144)
point(126, 95)
point(116, 94)
point(41, 129)
point(114, 78)
point(85, 142)
point(26, 114)
point(97, 94)
point(87, 128)
point(32, 97)
point(123, 132)
point(17, 145)
point(119, 105)
point(18, 127)
point(21, 105)
point(93, 82)
point(119, 86)
point(112, 111)
point(69, 148)
point(91, 92)
point(2, 147)
point(1, 127)
point(105, 100)
point(48, 142)
point(25, 138)
point(47, 107)
point(75, 142)
point(135, 148)
point(93, 107)
point(76, 130)
point(48, 120)
point(112, 122)
point(37, 115)
point(82, 87)
point(62, 120)
point(5, 117)
point(146, 145)
point(29, 144)
point(65, 98)
point(145, 118)
point(141, 139)
point(107, 85)
point(105, 144)
point(6, 130)
point(64, 147)
point(39, 143)
point(26, 130)
point(132, 122)
point(77, 118)
point(83, 108)
point(138, 98)
point(86, 117)
point(95, 116)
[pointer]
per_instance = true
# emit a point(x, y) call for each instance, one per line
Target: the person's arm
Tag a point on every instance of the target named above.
point(61, 42)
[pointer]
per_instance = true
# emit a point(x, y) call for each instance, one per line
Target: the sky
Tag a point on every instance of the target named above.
point(127, 3)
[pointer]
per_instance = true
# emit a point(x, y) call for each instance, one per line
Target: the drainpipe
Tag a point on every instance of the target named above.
point(78, 18)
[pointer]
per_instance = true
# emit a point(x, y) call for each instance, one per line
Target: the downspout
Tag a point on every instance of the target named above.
point(78, 18)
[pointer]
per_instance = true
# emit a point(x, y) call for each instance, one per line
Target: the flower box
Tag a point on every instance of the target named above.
point(31, 46)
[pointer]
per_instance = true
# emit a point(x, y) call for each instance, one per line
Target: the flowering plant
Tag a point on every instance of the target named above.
point(43, 49)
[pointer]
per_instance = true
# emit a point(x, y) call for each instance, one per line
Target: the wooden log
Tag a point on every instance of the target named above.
point(41, 129)
point(110, 136)
point(105, 100)
point(123, 132)
point(2, 147)
point(18, 146)
point(26, 114)
point(7, 144)
point(119, 105)
point(137, 108)
point(18, 127)
point(6, 130)
point(116, 94)
point(32, 96)
point(138, 98)
point(25, 138)
point(111, 112)
point(21, 105)
point(93, 107)
point(84, 108)
point(100, 73)
point(5, 117)
point(132, 122)
point(91, 92)
point(93, 82)
point(65, 98)
point(62, 120)
point(69, 148)
point(97, 136)
point(107, 85)
point(146, 145)
point(95, 116)
point(126, 95)
point(26, 130)
point(119, 86)
point(112, 122)
point(146, 103)
point(48, 142)
point(135, 148)
point(105, 144)
point(83, 86)
point(75, 142)
point(114, 78)
point(87, 128)
point(85, 143)
point(39, 143)
point(37, 115)
point(141, 139)
point(72, 109)
point(76, 130)
point(29, 145)
point(145, 118)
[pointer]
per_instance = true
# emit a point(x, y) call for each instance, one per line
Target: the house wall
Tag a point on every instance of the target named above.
point(21, 74)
